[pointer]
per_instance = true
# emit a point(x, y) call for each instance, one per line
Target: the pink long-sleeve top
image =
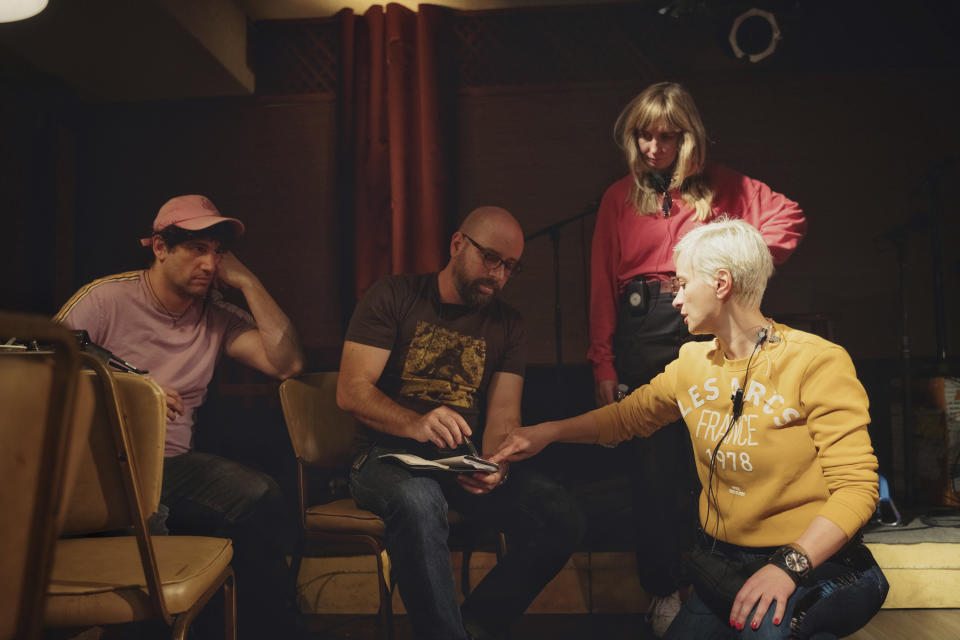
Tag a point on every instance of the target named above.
point(627, 245)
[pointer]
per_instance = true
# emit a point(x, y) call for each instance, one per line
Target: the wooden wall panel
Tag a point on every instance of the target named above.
point(268, 163)
point(852, 148)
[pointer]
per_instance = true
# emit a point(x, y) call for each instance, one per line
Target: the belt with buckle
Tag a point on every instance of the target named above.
point(638, 292)
point(670, 285)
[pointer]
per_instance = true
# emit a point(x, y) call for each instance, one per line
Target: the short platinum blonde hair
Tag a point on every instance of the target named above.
point(670, 104)
point(732, 245)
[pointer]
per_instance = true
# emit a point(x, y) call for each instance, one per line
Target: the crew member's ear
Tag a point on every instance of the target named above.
point(159, 248)
point(723, 285)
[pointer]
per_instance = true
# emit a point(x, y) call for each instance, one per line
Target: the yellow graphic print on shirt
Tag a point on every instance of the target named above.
point(443, 366)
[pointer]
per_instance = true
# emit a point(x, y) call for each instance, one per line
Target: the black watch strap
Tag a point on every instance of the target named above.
point(792, 560)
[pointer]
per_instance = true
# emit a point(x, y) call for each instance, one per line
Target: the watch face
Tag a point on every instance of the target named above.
point(796, 561)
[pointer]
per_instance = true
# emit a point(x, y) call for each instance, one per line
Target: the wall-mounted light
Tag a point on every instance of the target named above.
point(754, 34)
point(13, 10)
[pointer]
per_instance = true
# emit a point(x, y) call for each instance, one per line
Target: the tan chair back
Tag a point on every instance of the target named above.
point(322, 434)
point(108, 490)
point(43, 413)
point(100, 502)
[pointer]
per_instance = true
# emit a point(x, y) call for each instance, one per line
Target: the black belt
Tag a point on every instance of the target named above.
point(638, 292)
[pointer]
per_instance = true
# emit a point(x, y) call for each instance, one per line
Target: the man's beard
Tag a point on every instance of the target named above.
point(469, 290)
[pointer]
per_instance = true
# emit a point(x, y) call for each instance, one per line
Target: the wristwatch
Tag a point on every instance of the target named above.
point(792, 560)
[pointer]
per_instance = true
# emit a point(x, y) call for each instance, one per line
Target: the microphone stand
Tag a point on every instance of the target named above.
point(934, 177)
point(553, 230)
point(906, 378)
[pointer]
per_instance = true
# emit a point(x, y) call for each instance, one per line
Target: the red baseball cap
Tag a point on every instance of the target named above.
point(192, 213)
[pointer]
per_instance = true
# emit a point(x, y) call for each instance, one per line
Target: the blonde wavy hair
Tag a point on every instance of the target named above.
point(670, 104)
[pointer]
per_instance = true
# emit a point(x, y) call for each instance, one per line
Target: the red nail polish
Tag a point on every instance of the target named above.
point(739, 626)
point(754, 624)
point(776, 621)
point(733, 623)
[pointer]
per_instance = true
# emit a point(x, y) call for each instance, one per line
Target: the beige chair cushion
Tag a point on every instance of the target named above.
point(921, 576)
point(100, 580)
point(344, 516)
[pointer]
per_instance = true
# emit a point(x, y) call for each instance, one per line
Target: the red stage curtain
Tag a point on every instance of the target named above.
point(396, 106)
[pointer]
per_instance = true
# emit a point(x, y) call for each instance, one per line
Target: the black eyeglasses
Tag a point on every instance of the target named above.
point(491, 260)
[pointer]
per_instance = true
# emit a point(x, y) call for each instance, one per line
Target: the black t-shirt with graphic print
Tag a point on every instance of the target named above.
point(439, 353)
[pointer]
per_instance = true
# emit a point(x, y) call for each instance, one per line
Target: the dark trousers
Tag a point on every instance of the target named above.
point(839, 598)
point(664, 483)
point(542, 523)
point(207, 495)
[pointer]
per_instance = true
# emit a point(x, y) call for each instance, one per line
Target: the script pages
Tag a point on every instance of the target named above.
point(456, 464)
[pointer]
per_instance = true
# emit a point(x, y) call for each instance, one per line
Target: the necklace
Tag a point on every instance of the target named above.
point(175, 317)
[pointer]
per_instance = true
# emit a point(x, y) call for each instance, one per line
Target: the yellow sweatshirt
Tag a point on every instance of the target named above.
point(800, 449)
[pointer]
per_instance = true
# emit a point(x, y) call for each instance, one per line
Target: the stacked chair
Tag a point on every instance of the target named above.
point(45, 410)
point(114, 579)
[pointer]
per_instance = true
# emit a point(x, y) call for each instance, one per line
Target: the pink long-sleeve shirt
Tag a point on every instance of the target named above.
point(627, 244)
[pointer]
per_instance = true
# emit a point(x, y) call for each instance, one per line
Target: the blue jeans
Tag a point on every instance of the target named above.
point(207, 495)
point(844, 600)
point(542, 523)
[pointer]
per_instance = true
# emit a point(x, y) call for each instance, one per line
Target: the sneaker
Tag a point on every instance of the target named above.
point(663, 609)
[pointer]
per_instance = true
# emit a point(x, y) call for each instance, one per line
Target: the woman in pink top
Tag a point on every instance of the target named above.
point(634, 330)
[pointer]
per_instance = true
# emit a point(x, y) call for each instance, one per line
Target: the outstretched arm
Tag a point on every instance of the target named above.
point(357, 392)
point(529, 441)
point(272, 347)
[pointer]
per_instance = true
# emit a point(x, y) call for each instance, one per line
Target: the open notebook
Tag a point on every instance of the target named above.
point(455, 464)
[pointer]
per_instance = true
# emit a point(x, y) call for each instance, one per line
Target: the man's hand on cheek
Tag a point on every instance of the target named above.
point(232, 272)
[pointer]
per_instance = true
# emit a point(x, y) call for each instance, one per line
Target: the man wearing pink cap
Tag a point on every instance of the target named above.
point(169, 320)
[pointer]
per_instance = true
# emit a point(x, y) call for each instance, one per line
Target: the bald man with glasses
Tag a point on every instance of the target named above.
point(433, 365)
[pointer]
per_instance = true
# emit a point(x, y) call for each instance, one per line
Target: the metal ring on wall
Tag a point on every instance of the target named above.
point(774, 37)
